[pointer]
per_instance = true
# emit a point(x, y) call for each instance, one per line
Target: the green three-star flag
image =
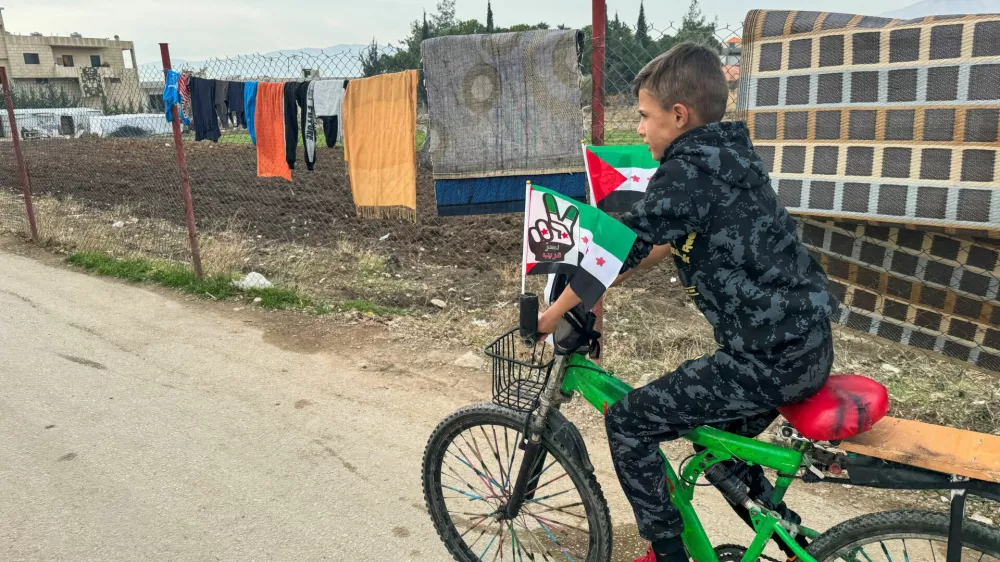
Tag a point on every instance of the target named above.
point(565, 236)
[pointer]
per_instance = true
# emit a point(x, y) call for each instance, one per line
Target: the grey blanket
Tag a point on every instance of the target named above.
point(504, 104)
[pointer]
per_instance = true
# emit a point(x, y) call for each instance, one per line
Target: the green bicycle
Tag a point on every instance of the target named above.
point(512, 480)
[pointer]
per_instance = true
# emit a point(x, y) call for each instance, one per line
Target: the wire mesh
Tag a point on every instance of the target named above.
point(103, 169)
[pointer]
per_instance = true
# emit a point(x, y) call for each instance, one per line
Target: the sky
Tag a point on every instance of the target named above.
point(202, 29)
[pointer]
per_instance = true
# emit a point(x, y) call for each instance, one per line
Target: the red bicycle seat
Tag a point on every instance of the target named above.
point(846, 406)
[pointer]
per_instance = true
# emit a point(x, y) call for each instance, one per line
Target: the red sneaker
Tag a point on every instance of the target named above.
point(650, 556)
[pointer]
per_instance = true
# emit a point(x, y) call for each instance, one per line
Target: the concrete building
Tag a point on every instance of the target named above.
point(92, 70)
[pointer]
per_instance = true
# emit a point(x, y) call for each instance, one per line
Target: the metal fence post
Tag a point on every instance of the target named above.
point(22, 167)
point(600, 10)
point(182, 165)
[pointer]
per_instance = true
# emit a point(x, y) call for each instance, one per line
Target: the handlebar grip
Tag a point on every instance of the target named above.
point(529, 317)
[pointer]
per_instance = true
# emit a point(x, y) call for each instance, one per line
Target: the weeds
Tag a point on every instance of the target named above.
point(176, 276)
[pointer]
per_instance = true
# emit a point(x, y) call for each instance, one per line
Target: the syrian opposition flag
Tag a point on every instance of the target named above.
point(564, 236)
point(618, 175)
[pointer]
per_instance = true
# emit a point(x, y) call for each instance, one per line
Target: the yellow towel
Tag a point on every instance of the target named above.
point(380, 127)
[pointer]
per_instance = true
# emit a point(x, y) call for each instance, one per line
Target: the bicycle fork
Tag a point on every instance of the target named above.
point(533, 462)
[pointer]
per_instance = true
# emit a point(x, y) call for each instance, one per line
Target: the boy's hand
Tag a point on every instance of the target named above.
point(547, 322)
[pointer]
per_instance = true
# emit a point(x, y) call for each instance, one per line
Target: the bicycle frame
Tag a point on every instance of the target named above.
point(601, 389)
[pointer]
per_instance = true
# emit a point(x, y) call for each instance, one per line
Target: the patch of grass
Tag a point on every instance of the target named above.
point(219, 287)
point(176, 276)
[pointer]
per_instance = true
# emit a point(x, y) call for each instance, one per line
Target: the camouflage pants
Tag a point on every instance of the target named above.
point(727, 391)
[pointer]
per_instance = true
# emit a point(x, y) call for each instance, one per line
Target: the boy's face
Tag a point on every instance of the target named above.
point(659, 126)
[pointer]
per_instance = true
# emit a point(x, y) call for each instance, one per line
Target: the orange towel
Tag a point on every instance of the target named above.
point(380, 127)
point(270, 125)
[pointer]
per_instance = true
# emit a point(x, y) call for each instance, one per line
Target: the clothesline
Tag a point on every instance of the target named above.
point(209, 106)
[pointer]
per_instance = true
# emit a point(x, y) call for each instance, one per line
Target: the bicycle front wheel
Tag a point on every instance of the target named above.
point(904, 536)
point(470, 465)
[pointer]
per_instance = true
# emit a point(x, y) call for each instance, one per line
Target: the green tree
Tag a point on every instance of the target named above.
point(697, 29)
point(444, 18)
point(489, 17)
point(372, 61)
point(425, 29)
point(642, 28)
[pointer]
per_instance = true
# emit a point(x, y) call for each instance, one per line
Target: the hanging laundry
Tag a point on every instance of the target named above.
point(329, 101)
point(221, 97)
point(291, 122)
point(270, 130)
point(330, 130)
point(304, 96)
point(184, 87)
point(250, 108)
point(206, 122)
point(380, 124)
point(172, 96)
point(503, 106)
point(234, 103)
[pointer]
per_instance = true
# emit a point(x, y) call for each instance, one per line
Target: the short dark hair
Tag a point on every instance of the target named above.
point(689, 74)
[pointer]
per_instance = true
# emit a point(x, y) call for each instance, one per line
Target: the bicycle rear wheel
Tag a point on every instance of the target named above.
point(904, 536)
point(470, 465)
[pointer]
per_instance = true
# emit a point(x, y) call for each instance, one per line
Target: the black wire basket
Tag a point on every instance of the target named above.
point(519, 372)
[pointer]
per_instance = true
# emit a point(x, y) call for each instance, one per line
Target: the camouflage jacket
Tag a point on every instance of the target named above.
point(734, 244)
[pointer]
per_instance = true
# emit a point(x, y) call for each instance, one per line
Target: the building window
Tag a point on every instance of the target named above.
point(67, 60)
point(95, 60)
point(31, 58)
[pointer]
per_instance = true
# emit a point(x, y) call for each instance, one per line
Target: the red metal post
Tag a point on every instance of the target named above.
point(22, 167)
point(600, 12)
point(185, 177)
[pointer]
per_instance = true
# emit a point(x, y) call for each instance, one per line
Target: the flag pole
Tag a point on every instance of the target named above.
point(524, 251)
point(586, 166)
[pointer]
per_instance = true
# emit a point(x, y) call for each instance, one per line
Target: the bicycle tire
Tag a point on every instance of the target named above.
point(896, 525)
point(597, 513)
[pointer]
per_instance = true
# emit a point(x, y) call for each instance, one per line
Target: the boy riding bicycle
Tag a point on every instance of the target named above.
point(711, 205)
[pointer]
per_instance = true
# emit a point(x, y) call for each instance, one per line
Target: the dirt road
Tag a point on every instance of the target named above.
point(141, 426)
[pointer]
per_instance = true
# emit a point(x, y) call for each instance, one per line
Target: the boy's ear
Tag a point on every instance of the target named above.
point(684, 116)
point(681, 115)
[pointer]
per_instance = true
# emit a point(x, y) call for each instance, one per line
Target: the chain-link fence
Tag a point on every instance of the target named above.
point(103, 169)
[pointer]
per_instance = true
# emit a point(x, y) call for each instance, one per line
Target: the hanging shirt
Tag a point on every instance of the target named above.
point(234, 103)
point(184, 87)
point(329, 97)
point(221, 97)
point(250, 108)
point(304, 98)
point(291, 115)
point(206, 122)
point(172, 96)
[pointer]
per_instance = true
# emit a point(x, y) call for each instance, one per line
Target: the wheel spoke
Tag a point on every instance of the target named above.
point(481, 475)
point(470, 529)
point(565, 474)
point(563, 549)
point(489, 546)
point(454, 474)
point(906, 553)
point(562, 509)
point(503, 475)
point(886, 551)
point(544, 551)
point(475, 448)
point(933, 553)
point(466, 494)
point(563, 525)
point(550, 496)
